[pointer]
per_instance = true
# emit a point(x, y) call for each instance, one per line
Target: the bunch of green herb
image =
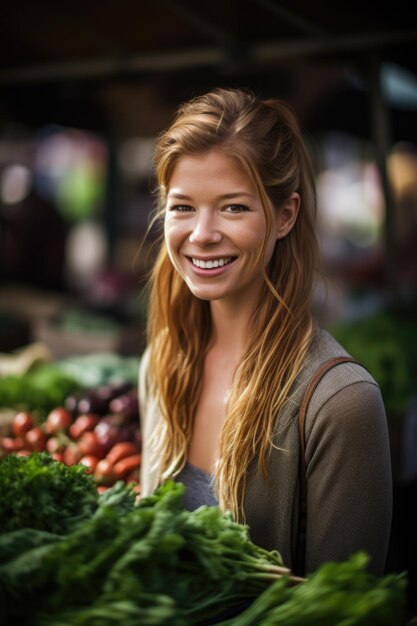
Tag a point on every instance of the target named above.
point(175, 566)
point(38, 492)
point(337, 594)
point(24, 575)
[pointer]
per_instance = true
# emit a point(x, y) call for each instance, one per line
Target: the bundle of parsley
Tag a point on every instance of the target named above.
point(40, 493)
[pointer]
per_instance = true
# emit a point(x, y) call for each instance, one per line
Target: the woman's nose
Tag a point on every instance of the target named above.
point(205, 231)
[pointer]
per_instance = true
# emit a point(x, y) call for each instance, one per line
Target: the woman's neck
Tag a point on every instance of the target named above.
point(230, 328)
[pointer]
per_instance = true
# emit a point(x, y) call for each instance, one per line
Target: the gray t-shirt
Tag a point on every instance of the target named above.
point(199, 488)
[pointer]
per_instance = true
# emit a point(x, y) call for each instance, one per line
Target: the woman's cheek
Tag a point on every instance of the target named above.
point(172, 242)
point(169, 234)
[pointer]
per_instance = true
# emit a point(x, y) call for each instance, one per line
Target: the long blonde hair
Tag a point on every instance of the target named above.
point(264, 137)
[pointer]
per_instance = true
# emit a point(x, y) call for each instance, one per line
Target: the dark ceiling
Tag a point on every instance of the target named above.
point(152, 35)
point(59, 59)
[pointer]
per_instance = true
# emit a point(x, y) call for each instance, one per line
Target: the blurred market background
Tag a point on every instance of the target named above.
point(85, 87)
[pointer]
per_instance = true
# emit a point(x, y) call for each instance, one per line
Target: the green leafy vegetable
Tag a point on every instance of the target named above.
point(201, 560)
point(24, 574)
point(100, 368)
point(337, 594)
point(156, 564)
point(154, 559)
point(38, 492)
point(39, 391)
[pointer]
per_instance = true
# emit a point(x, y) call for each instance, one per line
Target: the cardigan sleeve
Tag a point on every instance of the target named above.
point(149, 418)
point(349, 480)
point(143, 391)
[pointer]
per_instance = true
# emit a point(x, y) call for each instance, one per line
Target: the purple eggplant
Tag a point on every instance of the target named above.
point(127, 405)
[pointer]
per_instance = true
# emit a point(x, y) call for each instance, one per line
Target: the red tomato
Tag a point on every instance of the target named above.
point(58, 419)
point(58, 456)
point(124, 467)
point(120, 451)
point(53, 445)
point(104, 472)
point(35, 439)
point(102, 488)
point(22, 422)
point(23, 453)
point(12, 444)
point(71, 455)
point(90, 463)
point(83, 423)
point(89, 444)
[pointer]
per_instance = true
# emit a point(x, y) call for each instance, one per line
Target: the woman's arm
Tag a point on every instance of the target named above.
point(349, 479)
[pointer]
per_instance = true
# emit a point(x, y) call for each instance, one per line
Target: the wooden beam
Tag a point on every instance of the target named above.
point(177, 60)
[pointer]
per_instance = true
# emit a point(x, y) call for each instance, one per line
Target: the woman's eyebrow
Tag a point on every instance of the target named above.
point(234, 194)
point(179, 196)
point(225, 196)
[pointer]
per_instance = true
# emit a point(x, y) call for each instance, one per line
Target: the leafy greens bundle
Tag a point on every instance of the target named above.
point(38, 492)
point(153, 563)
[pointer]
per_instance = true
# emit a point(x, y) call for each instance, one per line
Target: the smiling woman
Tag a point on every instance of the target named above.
point(214, 240)
point(232, 345)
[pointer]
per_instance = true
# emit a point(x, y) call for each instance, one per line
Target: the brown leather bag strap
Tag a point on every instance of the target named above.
point(299, 562)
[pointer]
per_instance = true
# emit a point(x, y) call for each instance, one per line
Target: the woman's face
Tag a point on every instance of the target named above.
point(215, 226)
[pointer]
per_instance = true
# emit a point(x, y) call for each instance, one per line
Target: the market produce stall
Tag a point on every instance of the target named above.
point(78, 547)
point(82, 409)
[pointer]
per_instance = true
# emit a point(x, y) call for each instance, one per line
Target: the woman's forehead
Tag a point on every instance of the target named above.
point(214, 163)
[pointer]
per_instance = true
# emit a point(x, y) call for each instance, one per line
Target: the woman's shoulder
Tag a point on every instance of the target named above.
point(348, 383)
point(323, 348)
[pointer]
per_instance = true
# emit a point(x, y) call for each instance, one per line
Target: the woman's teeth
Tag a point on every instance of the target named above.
point(208, 265)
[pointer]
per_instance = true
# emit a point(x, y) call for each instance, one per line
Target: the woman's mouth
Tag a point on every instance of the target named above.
point(211, 263)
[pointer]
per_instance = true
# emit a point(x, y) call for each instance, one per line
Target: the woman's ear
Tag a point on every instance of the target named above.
point(287, 215)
